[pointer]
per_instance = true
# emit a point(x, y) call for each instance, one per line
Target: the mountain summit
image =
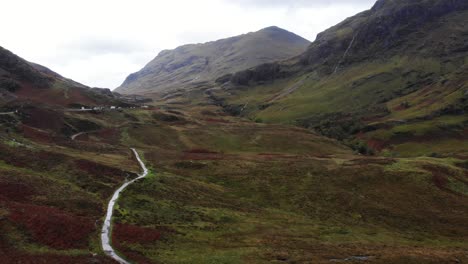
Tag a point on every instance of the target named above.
point(193, 64)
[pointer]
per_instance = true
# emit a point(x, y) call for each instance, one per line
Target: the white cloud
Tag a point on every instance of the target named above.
point(100, 42)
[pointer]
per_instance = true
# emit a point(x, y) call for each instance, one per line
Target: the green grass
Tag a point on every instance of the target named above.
point(434, 127)
point(354, 89)
point(272, 193)
point(448, 147)
point(241, 211)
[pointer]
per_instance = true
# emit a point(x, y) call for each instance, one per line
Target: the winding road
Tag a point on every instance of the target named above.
point(107, 226)
point(73, 137)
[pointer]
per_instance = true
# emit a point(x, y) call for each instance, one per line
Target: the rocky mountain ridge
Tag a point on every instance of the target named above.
point(189, 65)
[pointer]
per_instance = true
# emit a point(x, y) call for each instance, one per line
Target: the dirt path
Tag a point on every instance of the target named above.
point(107, 226)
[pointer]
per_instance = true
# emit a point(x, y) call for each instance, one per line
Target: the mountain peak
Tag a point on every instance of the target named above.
point(189, 65)
point(273, 28)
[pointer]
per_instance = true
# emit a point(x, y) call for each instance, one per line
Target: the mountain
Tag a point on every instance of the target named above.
point(23, 81)
point(189, 65)
point(225, 189)
point(393, 78)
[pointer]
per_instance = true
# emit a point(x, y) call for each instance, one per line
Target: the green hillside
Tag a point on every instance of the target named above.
point(398, 64)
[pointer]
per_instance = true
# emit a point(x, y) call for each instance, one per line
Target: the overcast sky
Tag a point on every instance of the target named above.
point(100, 42)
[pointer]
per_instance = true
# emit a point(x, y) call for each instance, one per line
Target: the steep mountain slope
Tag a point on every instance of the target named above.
point(391, 76)
point(189, 65)
point(23, 81)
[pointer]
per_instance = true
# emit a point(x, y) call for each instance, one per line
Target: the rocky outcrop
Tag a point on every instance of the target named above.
point(391, 27)
point(382, 29)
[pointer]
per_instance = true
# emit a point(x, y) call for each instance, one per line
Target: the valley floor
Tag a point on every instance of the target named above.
point(221, 190)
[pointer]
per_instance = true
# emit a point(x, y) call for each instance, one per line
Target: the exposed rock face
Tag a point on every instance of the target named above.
point(190, 65)
point(391, 27)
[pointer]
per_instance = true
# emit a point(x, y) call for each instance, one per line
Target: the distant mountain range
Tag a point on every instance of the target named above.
point(191, 65)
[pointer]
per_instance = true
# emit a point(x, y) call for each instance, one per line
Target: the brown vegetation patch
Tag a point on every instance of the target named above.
point(43, 119)
point(400, 107)
point(190, 156)
point(53, 227)
point(377, 145)
point(216, 120)
point(362, 253)
point(208, 113)
point(439, 176)
point(272, 156)
point(52, 96)
point(14, 257)
point(201, 151)
point(202, 154)
point(36, 134)
point(38, 160)
point(190, 165)
point(97, 169)
point(134, 256)
point(428, 137)
point(125, 233)
point(15, 191)
point(369, 161)
point(109, 135)
point(106, 135)
point(463, 165)
point(170, 118)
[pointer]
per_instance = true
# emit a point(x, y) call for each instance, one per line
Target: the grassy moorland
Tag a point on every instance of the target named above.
point(53, 190)
point(225, 190)
point(222, 190)
point(368, 97)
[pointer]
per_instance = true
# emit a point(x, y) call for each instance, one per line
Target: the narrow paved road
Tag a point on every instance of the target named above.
point(77, 135)
point(107, 226)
